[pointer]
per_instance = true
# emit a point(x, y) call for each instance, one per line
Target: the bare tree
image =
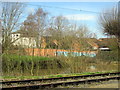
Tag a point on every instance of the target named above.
point(10, 21)
point(68, 35)
point(109, 21)
point(40, 17)
point(29, 26)
point(35, 25)
point(58, 24)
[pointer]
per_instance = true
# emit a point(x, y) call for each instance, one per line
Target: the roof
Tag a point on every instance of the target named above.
point(25, 33)
point(102, 42)
point(93, 42)
point(16, 32)
point(107, 41)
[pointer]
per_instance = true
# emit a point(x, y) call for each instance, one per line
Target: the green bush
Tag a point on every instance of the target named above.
point(108, 55)
point(30, 65)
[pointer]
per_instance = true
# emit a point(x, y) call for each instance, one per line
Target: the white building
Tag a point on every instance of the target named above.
point(24, 41)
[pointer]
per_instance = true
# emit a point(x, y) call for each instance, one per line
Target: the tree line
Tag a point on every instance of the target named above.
point(60, 31)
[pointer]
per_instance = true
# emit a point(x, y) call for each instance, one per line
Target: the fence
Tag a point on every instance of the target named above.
point(58, 52)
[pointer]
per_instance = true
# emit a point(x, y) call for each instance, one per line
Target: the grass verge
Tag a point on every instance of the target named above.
point(9, 78)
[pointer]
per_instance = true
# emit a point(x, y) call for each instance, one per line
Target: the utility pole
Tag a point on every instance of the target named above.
point(119, 34)
point(0, 37)
point(119, 24)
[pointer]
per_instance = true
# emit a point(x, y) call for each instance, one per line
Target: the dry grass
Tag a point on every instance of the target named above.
point(59, 65)
point(85, 64)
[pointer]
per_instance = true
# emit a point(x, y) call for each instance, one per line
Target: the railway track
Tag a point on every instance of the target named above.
point(61, 81)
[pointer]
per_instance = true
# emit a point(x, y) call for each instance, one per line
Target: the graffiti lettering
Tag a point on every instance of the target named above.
point(89, 54)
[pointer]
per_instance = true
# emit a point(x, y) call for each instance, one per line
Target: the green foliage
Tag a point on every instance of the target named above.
point(51, 76)
point(108, 55)
point(25, 58)
point(15, 65)
point(30, 65)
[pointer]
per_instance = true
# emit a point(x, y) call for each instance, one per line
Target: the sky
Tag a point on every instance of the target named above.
point(77, 12)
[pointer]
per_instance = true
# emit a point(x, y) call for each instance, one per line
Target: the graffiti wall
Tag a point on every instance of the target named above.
point(90, 54)
point(59, 52)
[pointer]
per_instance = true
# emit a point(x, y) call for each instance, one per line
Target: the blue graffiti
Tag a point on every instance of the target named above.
point(91, 54)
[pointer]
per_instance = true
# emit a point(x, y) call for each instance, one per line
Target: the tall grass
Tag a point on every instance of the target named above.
point(20, 65)
point(83, 64)
point(108, 55)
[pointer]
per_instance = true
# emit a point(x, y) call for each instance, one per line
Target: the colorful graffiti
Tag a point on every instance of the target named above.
point(58, 52)
point(90, 54)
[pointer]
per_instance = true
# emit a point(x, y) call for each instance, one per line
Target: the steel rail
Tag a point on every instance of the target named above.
point(53, 85)
point(59, 78)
